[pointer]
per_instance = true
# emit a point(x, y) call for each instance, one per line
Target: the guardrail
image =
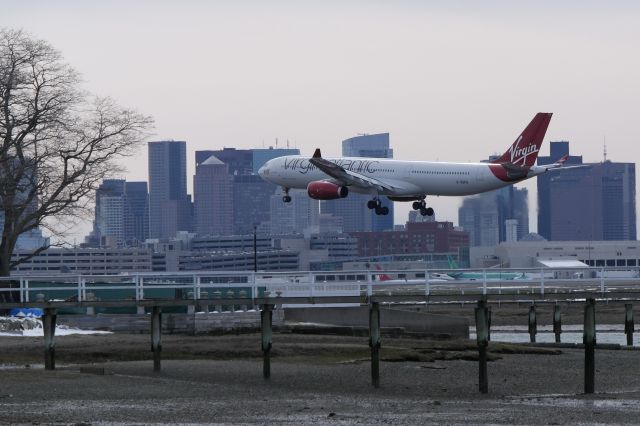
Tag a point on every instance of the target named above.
point(316, 285)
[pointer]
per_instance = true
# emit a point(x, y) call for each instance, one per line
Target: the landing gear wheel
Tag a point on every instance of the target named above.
point(418, 205)
point(286, 198)
point(429, 211)
point(384, 210)
point(372, 204)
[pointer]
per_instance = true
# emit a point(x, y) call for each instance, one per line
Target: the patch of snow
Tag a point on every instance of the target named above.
point(31, 327)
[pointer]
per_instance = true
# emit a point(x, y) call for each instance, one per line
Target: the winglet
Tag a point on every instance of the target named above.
point(563, 159)
point(317, 154)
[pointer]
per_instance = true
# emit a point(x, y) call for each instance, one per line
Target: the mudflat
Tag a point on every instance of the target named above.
point(315, 379)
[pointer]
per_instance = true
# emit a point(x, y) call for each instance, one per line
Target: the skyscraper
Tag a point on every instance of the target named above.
point(251, 194)
point(251, 202)
point(121, 215)
point(136, 213)
point(595, 202)
point(239, 161)
point(296, 217)
point(213, 198)
point(356, 217)
point(495, 216)
point(557, 150)
point(109, 215)
point(170, 207)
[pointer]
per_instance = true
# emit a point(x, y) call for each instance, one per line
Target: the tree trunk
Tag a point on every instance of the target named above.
point(6, 248)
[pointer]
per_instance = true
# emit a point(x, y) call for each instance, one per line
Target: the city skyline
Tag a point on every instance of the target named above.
point(449, 81)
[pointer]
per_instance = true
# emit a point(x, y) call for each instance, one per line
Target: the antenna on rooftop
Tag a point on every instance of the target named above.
point(604, 138)
point(287, 143)
point(276, 143)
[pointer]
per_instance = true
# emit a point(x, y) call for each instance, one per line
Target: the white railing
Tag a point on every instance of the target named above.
point(245, 284)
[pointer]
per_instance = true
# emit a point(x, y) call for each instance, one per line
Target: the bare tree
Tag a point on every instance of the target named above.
point(57, 142)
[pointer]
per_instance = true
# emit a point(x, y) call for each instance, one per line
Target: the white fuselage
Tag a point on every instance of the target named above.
point(408, 178)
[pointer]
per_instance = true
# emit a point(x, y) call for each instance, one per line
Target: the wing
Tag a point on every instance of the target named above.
point(347, 177)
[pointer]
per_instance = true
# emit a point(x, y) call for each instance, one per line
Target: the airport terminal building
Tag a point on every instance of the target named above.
point(528, 254)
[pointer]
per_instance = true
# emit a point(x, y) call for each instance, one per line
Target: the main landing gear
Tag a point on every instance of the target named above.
point(422, 206)
point(376, 205)
point(286, 197)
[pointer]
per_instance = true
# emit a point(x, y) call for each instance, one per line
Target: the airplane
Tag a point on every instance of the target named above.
point(434, 277)
point(409, 181)
point(489, 276)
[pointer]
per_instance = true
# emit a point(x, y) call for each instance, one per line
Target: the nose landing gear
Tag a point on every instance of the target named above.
point(286, 197)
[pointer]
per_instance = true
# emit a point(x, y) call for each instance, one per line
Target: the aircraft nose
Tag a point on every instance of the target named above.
point(262, 171)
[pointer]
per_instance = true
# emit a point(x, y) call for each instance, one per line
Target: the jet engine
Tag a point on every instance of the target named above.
point(323, 190)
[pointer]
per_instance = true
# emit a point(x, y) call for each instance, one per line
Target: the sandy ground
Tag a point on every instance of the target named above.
point(315, 380)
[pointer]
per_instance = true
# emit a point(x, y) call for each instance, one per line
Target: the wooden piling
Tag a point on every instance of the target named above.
point(49, 325)
point(374, 342)
point(589, 340)
point(156, 337)
point(629, 326)
point(533, 323)
point(489, 323)
point(557, 322)
point(266, 316)
point(482, 337)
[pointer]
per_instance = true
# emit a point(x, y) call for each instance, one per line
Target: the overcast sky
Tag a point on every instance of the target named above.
point(450, 81)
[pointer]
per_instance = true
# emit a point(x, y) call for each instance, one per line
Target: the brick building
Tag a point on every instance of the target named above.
point(418, 237)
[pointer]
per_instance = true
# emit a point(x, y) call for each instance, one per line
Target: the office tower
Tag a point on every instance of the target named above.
point(121, 215)
point(31, 239)
point(170, 207)
point(251, 194)
point(239, 161)
point(136, 213)
point(296, 217)
point(353, 209)
point(251, 202)
point(495, 216)
point(591, 203)
point(245, 161)
point(110, 213)
point(213, 198)
point(557, 150)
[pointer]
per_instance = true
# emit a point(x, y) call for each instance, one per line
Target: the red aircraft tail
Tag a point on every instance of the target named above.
point(524, 151)
point(381, 277)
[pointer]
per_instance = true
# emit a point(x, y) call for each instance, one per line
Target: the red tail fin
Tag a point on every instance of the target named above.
point(382, 277)
point(524, 151)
